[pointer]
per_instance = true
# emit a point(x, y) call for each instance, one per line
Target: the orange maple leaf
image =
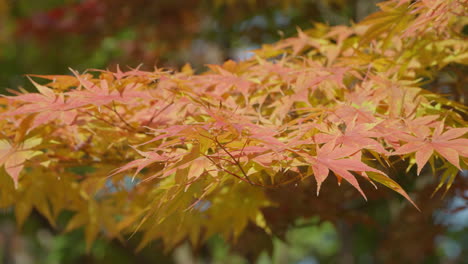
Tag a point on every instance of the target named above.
point(352, 135)
point(447, 144)
point(46, 104)
point(334, 158)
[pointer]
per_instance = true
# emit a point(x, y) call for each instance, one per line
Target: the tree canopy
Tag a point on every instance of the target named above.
point(312, 125)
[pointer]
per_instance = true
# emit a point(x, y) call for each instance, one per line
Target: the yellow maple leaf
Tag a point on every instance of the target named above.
point(12, 157)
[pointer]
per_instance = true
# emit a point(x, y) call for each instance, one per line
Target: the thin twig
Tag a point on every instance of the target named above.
point(157, 113)
point(120, 117)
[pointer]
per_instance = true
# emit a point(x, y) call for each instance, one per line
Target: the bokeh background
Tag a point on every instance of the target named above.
point(51, 36)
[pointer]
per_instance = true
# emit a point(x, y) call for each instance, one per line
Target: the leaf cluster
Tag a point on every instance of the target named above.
point(179, 156)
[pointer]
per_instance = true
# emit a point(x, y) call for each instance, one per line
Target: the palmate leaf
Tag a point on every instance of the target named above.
point(390, 21)
point(448, 144)
point(193, 155)
point(59, 82)
point(339, 160)
point(44, 192)
point(387, 181)
point(101, 93)
point(46, 105)
point(13, 156)
point(352, 135)
point(329, 157)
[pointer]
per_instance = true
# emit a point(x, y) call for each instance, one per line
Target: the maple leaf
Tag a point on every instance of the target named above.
point(43, 191)
point(358, 87)
point(13, 156)
point(45, 99)
point(223, 81)
point(388, 22)
point(334, 158)
point(341, 160)
point(430, 12)
point(60, 82)
point(102, 94)
point(150, 157)
point(299, 43)
point(351, 135)
point(447, 144)
point(46, 104)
